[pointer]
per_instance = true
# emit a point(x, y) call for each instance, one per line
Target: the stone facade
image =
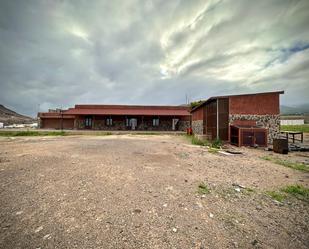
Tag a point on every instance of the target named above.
point(197, 127)
point(142, 125)
point(183, 125)
point(79, 123)
point(271, 122)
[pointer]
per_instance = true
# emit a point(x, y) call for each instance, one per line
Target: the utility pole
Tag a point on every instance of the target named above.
point(217, 118)
point(61, 113)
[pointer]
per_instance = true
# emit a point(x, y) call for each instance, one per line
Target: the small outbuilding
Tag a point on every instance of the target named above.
point(254, 117)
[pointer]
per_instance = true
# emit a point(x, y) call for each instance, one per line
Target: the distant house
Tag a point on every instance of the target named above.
point(117, 117)
point(246, 119)
point(292, 120)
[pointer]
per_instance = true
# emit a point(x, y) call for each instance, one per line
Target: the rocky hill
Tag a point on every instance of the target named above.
point(9, 117)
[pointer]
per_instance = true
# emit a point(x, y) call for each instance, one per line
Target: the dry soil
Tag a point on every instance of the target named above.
point(133, 191)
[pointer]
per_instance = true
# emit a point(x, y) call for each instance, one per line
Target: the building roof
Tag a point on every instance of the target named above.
point(128, 110)
point(235, 95)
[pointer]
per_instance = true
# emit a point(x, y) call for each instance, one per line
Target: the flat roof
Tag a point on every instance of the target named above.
point(233, 95)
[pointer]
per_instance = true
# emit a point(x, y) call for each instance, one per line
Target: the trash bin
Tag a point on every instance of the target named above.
point(281, 145)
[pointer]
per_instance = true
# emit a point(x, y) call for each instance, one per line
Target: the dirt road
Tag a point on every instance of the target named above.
point(142, 192)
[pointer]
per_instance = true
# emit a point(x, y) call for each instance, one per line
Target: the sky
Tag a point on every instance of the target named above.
point(58, 53)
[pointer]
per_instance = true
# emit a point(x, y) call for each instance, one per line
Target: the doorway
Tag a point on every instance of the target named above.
point(133, 123)
point(88, 122)
point(174, 124)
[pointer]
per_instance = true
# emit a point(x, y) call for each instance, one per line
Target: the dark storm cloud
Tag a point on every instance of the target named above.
point(58, 53)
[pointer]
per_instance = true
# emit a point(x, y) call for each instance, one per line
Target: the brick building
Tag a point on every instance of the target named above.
point(117, 117)
point(241, 119)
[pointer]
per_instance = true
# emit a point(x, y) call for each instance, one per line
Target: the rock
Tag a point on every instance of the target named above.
point(258, 208)
point(137, 211)
point(254, 242)
point(174, 229)
point(278, 203)
point(235, 244)
point(238, 185)
point(38, 229)
point(47, 236)
point(164, 205)
point(199, 205)
point(211, 215)
point(19, 212)
point(237, 189)
point(181, 205)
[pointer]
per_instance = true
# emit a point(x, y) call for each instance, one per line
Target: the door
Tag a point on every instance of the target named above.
point(247, 138)
point(260, 138)
point(88, 122)
point(174, 124)
point(133, 123)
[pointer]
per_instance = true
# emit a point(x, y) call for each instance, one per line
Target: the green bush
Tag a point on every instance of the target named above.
point(196, 141)
point(203, 189)
point(217, 143)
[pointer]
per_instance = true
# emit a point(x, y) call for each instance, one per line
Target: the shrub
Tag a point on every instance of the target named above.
point(203, 189)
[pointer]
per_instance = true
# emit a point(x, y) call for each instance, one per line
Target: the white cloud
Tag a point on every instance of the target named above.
point(60, 53)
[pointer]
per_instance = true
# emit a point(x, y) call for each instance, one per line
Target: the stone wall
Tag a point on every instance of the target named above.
point(183, 125)
point(79, 123)
point(271, 122)
point(145, 125)
point(197, 127)
point(101, 125)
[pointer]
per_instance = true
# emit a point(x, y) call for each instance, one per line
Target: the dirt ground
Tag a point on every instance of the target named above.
point(134, 191)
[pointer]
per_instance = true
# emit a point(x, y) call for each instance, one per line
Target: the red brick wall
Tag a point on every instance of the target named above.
point(68, 123)
point(55, 123)
point(50, 123)
point(260, 104)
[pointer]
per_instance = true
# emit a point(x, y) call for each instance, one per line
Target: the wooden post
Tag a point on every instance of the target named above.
point(302, 137)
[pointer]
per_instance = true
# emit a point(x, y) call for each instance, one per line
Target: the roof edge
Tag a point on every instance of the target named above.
point(233, 95)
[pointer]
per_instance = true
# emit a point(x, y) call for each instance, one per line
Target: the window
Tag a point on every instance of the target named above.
point(88, 122)
point(109, 121)
point(155, 122)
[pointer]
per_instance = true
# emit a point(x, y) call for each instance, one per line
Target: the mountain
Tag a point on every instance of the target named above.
point(9, 117)
point(289, 110)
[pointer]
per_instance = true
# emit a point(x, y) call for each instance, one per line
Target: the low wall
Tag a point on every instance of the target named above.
point(183, 125)
point(197, 127)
